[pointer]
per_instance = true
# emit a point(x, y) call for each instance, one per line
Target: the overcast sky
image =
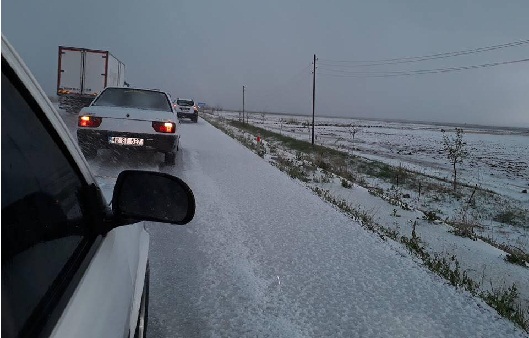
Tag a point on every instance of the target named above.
point(208, 50)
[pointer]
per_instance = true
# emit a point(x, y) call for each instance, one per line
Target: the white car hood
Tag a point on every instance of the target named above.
point(128, 113)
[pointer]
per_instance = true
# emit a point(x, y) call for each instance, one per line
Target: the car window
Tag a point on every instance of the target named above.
point(42, 220)
point(133, 98)
point(185, 102)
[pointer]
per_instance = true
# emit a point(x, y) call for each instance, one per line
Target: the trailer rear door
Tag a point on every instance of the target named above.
point(94, 72)
point(70, 70)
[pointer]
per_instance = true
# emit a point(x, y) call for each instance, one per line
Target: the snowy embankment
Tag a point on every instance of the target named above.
point(495, 173)
point(480, 261)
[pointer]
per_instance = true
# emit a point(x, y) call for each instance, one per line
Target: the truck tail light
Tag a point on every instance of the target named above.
point(89, 121)
point(164, 127)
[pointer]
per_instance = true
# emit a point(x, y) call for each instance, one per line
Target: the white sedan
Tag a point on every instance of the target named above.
point(131, 118)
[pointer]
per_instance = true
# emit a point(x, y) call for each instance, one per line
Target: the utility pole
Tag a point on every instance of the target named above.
point(313, 94)
point(242, 104)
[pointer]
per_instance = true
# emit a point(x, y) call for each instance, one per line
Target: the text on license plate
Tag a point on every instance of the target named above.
point(128, 141)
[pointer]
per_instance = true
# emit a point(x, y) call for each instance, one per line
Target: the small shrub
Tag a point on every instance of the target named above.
point(299, 156)
point(346, 184)
point(518, 258)
point(463, 229)
point(514, 255)
point(504, 301)
point(347, 175)
point(376, 191)
point(385, 172)
point(430, 216)
point(297, 173)
point(326, 178)
point(401, 174)
point(465, 221)
point(511, 217)
point(321, 161)
point(391, 233)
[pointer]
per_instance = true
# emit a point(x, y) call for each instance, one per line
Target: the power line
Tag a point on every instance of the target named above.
point(413, 59)
point(282, 85)
point(299, 73)
point(416, 72)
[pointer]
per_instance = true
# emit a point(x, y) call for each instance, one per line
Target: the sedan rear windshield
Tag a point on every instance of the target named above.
point(185, 102)
point(133, 98)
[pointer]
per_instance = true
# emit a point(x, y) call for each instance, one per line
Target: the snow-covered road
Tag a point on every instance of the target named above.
point(264, 257)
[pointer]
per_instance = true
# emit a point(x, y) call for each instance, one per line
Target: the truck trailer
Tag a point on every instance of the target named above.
point(83, 73)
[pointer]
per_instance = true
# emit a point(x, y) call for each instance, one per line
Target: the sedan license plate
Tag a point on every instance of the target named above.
point(126, 141)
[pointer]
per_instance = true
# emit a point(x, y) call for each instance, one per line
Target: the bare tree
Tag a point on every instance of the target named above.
point(454, 147)
point(353, 129)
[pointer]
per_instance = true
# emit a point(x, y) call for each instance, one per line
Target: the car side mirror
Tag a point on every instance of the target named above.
point(152, 196)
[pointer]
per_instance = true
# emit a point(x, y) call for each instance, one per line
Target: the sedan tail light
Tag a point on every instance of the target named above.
point(89, 121)
point(164, 127)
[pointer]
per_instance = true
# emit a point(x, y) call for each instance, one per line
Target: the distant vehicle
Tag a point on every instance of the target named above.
point(71, 266)
point(186, 108)
point(129, 118)
point(84, 73)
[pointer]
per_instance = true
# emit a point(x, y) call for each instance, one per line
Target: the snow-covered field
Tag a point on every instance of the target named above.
point(498, 158)
point(498, 161)
point(482, 262)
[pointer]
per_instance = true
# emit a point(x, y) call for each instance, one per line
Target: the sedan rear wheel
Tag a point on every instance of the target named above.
point(170, 158)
